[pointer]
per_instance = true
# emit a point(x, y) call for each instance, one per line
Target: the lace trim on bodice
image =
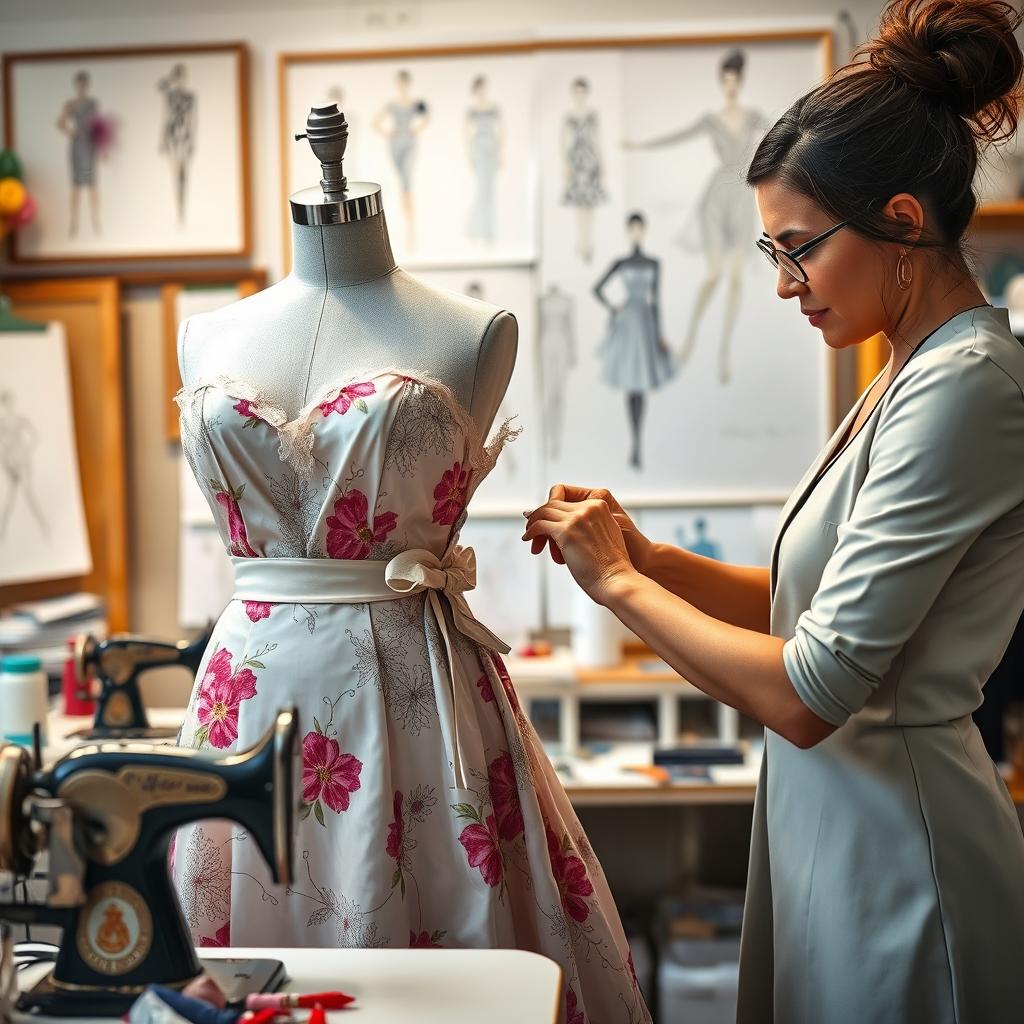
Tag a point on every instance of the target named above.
point(295, 435)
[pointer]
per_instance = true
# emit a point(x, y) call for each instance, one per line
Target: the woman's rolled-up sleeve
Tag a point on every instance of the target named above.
point(946, 461)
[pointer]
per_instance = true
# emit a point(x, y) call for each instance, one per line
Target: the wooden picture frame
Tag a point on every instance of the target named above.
point(246, 283)
point(89, 309)
point(160, 139)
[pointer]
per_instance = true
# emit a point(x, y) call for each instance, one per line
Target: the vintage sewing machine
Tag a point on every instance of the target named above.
point(118, 663)
point(104, 814)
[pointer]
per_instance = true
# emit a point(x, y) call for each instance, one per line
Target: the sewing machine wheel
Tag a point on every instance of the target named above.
point(17, 842)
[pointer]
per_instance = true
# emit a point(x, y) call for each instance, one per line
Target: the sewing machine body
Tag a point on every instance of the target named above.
point(117, 664)
point(106, 813)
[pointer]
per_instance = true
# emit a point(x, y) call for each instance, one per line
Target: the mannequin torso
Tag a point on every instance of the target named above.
point(347, 306)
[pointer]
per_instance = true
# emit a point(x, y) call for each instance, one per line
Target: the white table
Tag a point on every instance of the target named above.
point(429, 986)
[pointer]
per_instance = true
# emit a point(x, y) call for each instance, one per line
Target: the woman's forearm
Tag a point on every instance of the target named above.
point(734, 594)
point(740, 667)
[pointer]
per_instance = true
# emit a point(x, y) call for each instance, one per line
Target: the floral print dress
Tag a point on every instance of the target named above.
point(390, 851)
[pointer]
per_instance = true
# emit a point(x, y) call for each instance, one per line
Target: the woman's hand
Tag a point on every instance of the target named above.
point(637, 545)
point(588, 540)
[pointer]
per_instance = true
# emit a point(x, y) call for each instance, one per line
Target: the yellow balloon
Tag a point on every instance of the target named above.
point(12, 196)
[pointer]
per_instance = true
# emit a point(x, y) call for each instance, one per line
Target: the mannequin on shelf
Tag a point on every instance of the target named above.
point(336, 423)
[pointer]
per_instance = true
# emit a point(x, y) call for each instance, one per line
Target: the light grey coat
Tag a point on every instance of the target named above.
point(887, 863)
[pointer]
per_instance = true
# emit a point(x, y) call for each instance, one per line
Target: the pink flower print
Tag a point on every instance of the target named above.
point(257, 610)
point(501, 779)
point(450, 494)
point(327, 773)
point(221, 938)
point(171, 847)
point(244, 407)
point(351, 394)
point(486, 690)
point(632, 969)
point(425, 940)
point(220, 696)
point(506, 682)
point(571, 877)
point(572, 1015)
point(482, 850)
point(349, 534)
point(396, 831)
point(228, 500)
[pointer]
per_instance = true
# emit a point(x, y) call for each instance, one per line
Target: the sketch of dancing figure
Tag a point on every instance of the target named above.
point(636, 358)
point(702, 544)
point(581, 149)
point(18, 439)
point(401, 121)
point(178, 137)
point(556, 341)
point(484, 149)
point(726, 208)
point(77, 120)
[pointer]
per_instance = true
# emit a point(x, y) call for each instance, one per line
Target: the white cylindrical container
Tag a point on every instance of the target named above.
point(24, 698)
point(596, 634)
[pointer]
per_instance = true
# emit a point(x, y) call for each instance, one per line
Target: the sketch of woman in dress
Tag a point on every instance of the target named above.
point(18, 439)
point(484, 150)
point(178, 136)
point(726, 207)
point(702, 543)
point(581, 148)
point(636, 358)
point(401, 121)
point(556, 341)
point(77, 120)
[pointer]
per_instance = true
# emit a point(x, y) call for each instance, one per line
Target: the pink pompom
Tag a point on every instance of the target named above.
point(25, 215)
point(103, 132)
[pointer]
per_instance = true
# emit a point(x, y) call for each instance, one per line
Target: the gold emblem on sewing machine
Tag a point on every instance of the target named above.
point(115, 930)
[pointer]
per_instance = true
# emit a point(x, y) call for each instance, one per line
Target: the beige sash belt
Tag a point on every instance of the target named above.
point(360, 581)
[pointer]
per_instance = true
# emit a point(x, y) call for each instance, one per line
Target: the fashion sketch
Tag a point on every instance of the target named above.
point(725, 210)
point(483, 130)
point(701, 544)
point(18, 441)
point(556, 340)
point(77, 120)
point(581, 149)
point(178, 133)
point(475, 290)
point(401, 121)
point(634, 355)
point(353, 147)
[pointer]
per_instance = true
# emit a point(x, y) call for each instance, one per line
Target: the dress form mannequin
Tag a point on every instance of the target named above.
point(346, 306)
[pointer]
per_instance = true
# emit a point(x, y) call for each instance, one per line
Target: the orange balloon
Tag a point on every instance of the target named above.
point(12, 196)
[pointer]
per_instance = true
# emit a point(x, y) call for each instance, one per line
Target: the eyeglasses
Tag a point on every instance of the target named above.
point(790, 261)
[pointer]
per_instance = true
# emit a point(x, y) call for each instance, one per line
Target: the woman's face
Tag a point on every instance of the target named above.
point(731, 84)
point(846, 273)
point(635, 231)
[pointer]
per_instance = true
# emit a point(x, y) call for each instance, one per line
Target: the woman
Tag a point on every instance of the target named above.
point(401, 121)
point(725, 207)
point(77, 120)
point(635, 357)
point(484, 142)
point(582, 169)
point(887, 863)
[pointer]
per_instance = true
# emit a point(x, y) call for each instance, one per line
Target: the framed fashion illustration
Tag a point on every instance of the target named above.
point(445, 131)
point(131, 154)
point(692, 382)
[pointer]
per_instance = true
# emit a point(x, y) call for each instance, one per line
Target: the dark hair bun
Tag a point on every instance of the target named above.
point(958, 52)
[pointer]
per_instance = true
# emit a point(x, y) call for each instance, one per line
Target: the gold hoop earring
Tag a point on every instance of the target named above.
point(904, 271)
